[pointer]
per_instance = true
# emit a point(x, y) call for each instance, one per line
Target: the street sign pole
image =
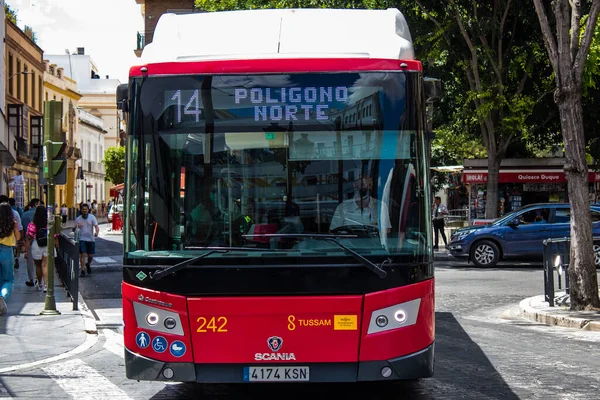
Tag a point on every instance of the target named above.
point(52, 129)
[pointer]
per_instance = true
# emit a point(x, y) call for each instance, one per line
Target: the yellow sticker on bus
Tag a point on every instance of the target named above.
point(345, 322)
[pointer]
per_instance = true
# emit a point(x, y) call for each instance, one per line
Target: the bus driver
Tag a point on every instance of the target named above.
point(362, 209)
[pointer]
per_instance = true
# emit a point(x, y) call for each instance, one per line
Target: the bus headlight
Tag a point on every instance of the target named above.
point(400, 316)
point(152, 318)
point(170, 323)
point(394, 317)
point(381, 321)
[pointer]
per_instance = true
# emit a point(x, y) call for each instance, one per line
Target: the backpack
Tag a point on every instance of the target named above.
point(41, 237)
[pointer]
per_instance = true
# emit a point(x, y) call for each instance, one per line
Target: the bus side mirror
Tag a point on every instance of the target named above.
point(432, 90)
point(123, 97)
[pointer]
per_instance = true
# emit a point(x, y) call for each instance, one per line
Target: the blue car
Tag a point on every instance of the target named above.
point(518, 235)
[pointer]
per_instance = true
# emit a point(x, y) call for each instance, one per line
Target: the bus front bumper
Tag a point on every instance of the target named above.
point(413, 366)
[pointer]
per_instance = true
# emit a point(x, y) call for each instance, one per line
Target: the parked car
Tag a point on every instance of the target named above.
point(518, 235)
point(114, 208)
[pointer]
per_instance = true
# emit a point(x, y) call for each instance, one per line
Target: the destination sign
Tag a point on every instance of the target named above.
point(262, 104)
point(291, 103)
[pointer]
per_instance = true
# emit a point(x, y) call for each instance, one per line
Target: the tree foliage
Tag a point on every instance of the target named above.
point(28, 31)
point(568, 41)
point(10, 14)
point(114, 164)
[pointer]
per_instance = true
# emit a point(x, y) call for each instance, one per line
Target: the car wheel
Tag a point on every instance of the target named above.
point(485, 254)
point(597, 255)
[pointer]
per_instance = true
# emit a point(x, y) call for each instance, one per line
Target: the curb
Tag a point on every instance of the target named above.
point(547, 318)
point(88, 318)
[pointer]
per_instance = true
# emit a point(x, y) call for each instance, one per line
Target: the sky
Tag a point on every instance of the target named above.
point(105, 28)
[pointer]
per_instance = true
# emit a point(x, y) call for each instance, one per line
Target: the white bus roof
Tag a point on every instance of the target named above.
point(281, 33)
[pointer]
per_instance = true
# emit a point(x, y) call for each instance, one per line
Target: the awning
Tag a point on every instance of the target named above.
point(116, 191)
point(523, 176)
point(448, 168)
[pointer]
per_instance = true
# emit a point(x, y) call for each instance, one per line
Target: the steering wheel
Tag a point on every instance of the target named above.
point(361, 231)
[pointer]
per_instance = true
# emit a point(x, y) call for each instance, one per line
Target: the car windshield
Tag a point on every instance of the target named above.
point(229, 160)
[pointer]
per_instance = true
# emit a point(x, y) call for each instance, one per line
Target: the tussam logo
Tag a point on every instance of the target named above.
point(275, 343)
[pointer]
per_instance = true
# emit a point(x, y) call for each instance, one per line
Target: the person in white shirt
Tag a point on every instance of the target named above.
point(362, 209)
point(439, 211)
point(88, 231)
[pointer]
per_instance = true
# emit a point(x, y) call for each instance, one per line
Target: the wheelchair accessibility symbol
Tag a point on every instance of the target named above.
point(159, 344)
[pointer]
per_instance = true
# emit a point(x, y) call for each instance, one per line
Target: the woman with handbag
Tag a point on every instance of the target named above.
point(36, 245)
point(9, 234)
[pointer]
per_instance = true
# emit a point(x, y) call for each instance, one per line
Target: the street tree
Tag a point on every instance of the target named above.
point(490, 52)
point(495, 46)
point(114, 164)
point(568, 51)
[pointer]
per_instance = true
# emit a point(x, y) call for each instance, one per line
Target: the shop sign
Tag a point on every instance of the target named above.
point(474, 178)
point(524, 177)
point(533, 177)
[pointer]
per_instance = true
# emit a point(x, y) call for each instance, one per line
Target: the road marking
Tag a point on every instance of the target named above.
point(114, 342)
point(80, 381)
point(104, 260)
point(90, 341)
point(4, 393)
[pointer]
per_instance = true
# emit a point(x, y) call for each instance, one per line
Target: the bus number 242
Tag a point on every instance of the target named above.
point(214, 324)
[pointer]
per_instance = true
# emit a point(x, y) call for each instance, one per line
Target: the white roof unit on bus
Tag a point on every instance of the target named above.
point(286, 33)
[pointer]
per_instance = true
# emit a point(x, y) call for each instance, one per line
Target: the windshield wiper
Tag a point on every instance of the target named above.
point(331, 239)
point(161, 273)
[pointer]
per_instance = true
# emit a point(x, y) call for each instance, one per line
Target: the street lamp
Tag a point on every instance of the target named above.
point(21, 73)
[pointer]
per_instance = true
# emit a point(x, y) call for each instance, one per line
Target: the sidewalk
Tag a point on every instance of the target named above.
point(536, 309)
point(27, 338)
point(442, 254)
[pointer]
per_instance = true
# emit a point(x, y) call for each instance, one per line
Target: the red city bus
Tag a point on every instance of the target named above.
point(277, 201)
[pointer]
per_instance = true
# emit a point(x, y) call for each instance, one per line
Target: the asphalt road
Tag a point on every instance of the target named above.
point(483, 349)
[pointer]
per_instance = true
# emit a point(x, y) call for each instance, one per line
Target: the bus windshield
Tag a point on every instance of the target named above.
point(260, 161)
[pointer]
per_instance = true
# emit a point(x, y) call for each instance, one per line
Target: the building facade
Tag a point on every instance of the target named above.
point(152, 10)
point(59, 87)
point(91, 141)
point(24, 104)
point(8, 141)
point(99, 98)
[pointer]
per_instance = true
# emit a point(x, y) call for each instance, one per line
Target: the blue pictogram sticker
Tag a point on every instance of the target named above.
point(177, 348)
point(159, 344)
point(143, 340)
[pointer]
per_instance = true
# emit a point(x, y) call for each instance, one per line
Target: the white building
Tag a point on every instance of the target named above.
point(91, 142)
point(99, 99)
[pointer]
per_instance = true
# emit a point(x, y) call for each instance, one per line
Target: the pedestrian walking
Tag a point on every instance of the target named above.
point(36, 246)
point(439, 211)
point(88, 231)
point(27, 219)
point(9, 234)
point(63, 213)
point(4, 199)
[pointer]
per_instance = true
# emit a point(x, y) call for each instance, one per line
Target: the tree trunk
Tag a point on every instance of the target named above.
point(491, 203)
point(582, 269)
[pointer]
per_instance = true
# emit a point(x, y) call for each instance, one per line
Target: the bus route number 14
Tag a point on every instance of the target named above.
point(214, 324)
